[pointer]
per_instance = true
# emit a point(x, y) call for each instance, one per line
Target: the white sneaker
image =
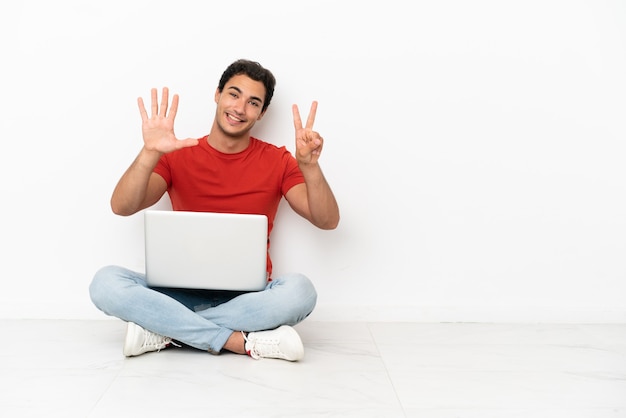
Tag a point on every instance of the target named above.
point(139, 341)
point(282, 343)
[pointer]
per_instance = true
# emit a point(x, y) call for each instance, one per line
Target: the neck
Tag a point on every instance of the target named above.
point(226, 143)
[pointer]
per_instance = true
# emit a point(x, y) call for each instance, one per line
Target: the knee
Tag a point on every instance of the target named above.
point(102, 288)
point(307, 290)
point(302, 294)
point(99, 280)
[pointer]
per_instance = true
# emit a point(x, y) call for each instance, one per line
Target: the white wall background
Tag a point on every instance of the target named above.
point(476, 147)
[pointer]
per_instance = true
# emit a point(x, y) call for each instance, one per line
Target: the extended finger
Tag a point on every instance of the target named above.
point(311, 119)
point(297, 122)
point(164, 100)
point(174, 107)
point(155, 105)
point(142, 109)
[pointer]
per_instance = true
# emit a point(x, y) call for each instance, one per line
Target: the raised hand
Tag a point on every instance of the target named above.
point(308, 142)
point(158, 128)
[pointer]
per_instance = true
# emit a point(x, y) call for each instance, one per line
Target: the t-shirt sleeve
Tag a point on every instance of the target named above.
point(293, 175)
point(163, 169)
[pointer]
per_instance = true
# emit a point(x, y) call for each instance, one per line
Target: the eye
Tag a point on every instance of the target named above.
point(233, 95)
point(256, 104)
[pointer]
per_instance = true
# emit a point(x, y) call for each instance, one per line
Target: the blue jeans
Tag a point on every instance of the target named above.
point(199, 318)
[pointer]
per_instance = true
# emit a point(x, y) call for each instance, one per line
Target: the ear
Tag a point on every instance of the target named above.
point(217, 95)
point(261, 115)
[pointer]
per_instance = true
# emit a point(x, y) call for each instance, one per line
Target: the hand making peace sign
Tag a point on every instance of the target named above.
point(308, 142)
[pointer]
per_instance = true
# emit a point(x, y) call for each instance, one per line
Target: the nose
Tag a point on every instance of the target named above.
point(240, 106)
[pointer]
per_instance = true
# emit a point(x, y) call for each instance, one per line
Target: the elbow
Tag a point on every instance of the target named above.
point(329, 224)
point(121, 213)
point(332, 225)
point(119, 209)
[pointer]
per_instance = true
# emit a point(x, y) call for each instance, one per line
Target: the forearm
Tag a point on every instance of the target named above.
point(324, 211)
point(131, 192)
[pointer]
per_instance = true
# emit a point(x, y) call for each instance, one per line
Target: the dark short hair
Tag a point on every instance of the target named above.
point(255, 71)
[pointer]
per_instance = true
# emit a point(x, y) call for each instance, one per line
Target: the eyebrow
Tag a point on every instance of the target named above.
point(240, 92)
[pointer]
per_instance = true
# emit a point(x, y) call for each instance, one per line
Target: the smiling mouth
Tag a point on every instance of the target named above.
point(233, 118)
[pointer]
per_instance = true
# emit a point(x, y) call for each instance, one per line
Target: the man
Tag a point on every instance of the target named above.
point(225, 171)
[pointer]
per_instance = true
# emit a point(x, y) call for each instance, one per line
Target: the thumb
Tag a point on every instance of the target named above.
point(187, 142)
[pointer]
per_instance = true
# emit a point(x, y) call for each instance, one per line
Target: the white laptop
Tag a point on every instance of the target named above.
point(205, 250)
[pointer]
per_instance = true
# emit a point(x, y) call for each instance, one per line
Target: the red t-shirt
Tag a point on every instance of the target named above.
point(202, 179)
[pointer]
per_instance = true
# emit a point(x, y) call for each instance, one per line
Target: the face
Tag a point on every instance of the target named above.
point(239, 105)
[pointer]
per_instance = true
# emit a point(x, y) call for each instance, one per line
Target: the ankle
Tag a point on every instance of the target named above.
point(236, 343)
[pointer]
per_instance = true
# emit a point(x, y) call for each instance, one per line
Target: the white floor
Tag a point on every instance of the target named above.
point(76, 369)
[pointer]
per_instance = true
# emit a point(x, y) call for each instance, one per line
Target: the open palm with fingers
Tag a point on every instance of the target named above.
point(158, 128)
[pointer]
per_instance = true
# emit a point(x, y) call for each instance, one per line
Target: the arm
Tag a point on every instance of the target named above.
point(313, 200)
point(140, 187)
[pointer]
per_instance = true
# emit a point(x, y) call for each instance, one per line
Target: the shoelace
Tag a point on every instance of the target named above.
point(154, 340)
point(267, 347)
